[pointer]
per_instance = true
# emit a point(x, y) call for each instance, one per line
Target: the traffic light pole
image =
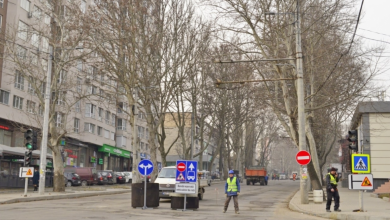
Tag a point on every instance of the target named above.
point(45, 129)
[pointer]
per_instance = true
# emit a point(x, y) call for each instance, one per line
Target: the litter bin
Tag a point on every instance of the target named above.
point(152, 195)
point(177, 201)
point(318, 196)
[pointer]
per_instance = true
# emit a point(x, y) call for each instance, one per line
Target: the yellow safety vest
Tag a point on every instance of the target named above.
point(232, 185)
point(332, 179)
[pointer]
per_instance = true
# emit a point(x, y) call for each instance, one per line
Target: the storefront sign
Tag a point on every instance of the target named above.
point(93, 160)
point(72, 156)
point(100, 162)
point(114, 151)
point(4, 127)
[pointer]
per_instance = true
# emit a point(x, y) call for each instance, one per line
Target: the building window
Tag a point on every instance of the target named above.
point(92, 90)
point(100, 131)
point(90, 110)
point(122, 107)
point(83, 6)
point(146, 147)
point(141, 145)
point(34, 59)
point(147, 134)
point(30, 106)
point(4, 97)
point(47, 19)
point(107, 117)
point(80, 65)
point(37, 13)
point(19, 81)
point(62, 76)
point(89, 127)
point(40, 110)
point(79, 80)
point(121, 124)
point(25, 5)
point(113, 118)
point(60, 98)
point(18, 102)
point(77, 106)
point(21, 53)
point(30, 88)
point(101, 114)
point(42, 89)
point(106, 133)
point(112, 136)
point(1, 3)
point(45, 44)
point(22, 30)
point(59, 119)
point(34, 39)
point(76, 125)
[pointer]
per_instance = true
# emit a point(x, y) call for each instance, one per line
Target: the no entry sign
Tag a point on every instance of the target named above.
point(181, 166)
point(303, 157)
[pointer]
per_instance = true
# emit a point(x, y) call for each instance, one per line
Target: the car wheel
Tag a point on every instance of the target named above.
point(68, 184)
point(200, 195)
point(84, 183)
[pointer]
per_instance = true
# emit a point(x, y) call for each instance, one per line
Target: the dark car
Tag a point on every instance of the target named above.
point(102, 178)
point(111, 179)
point(72, 179)
point(120, 177)
point(88, 175)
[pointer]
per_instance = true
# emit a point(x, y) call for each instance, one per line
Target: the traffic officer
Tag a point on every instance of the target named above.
point(332, 191)
point(232, 189)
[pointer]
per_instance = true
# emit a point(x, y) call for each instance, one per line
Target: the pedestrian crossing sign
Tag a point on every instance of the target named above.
point(361, 163)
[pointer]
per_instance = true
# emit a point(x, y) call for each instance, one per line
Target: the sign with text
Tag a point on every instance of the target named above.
point(185, 188)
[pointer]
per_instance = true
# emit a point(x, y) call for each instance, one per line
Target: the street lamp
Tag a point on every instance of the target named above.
point(301, 97)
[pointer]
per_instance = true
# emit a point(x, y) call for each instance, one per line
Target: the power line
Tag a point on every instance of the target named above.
point(375, 32)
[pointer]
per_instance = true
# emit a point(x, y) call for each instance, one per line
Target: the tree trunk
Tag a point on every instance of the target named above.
point(58, 173)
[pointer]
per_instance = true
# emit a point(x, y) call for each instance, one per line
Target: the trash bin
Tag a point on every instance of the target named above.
point(318, 196)
point(177, 201)
point(152, 195)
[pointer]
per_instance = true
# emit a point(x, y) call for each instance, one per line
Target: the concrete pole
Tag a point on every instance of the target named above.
point(136, 156)
point(45, 129)
point(301, 104)
point(192, 133)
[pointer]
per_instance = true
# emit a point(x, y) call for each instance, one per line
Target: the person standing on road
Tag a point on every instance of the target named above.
point(232, 189)
point(35, 179)
point(332, 191)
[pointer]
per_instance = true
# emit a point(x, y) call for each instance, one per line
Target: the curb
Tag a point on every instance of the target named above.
point(68, 196)
point(333, 215)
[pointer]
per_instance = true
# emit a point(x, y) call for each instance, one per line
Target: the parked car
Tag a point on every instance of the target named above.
point(88, 175)
point(120, 177)
point(128, 176)
point(102, 177)
point(110, 176)
point(72, 179)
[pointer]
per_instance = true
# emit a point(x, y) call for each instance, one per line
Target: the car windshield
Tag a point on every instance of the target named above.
point(126, 174)
point(167, 173)
point(104, 173)
point(75, 174)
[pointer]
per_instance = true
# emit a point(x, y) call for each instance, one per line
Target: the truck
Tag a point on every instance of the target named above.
point(255, 174)
point(167, 182)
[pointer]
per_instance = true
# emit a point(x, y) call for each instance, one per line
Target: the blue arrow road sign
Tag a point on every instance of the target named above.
point(145, 167)
point(361, 163)
point(190, 174)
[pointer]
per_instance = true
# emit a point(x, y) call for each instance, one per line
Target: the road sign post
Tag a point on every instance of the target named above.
point(145, 167)
point(26, 172)
point(186, 172)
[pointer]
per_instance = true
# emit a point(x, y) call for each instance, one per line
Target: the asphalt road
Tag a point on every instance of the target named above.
point(256, 202)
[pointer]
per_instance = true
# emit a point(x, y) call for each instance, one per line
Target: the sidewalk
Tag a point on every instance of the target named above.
point(14, 197)
point(374, 208)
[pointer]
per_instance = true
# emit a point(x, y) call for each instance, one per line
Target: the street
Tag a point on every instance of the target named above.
point(256, 202)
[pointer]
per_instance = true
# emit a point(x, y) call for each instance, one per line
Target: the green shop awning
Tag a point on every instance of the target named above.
point(114, 151)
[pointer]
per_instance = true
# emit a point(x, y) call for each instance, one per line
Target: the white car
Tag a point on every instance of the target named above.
point(128, 176)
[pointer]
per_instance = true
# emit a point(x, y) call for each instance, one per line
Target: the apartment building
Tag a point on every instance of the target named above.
point(176, 152)
point(97, 130)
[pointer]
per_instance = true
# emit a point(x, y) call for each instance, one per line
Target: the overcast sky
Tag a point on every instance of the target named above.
point(376, 18)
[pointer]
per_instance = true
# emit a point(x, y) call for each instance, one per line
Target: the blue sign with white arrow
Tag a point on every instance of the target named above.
point(145, 167)
point(186, 171)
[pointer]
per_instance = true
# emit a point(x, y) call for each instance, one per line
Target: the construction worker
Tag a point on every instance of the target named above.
point(331, 190)
point(232, 189)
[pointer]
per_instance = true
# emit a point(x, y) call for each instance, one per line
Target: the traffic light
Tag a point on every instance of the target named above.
point(35, 140)
point(28, 136)
point(352, 138)
point(27, 158)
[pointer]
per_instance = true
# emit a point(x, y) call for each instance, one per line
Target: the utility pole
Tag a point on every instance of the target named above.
point(45, 130)
point(301, 104)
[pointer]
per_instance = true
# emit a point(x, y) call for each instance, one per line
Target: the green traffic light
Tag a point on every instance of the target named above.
point(29, 146)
